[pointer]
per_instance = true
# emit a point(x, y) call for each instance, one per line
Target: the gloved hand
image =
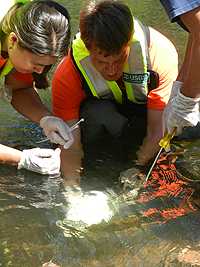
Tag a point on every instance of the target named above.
point(180, 112)
point(167, 110)
point(41, 160)
point(56, 130)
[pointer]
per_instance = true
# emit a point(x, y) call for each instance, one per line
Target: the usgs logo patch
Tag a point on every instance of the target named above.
point(136, 78)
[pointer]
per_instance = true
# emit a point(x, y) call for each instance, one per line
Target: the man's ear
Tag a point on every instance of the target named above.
point(13, 39)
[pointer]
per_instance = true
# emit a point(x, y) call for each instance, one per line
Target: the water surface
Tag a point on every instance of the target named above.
point(96, 221)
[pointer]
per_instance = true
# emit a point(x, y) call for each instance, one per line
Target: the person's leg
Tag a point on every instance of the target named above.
point(101, 117)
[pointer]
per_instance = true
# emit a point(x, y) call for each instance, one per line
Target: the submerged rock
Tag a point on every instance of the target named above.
point(131, 179)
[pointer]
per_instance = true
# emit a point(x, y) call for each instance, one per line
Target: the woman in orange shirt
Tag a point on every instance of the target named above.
point(33, 36)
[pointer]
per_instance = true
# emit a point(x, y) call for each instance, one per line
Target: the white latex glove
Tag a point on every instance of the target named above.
point(57, 131)
point(167, 110)
point(184, 111)
point(41, 160)
point(181, 111)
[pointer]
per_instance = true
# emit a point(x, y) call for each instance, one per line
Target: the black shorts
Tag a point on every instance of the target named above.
point(102, 117)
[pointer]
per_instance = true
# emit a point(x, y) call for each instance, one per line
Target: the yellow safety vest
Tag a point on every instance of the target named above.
point(135, 76)
point(7, 67)
point(3, 10)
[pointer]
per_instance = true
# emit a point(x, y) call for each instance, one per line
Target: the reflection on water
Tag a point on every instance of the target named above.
point(42, 219)
point(99, 221)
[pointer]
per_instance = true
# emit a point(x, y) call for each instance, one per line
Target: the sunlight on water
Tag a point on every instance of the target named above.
point(43, 219)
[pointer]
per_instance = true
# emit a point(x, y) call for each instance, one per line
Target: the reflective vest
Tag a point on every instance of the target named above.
point(7, 68)
point(4, 9)
point(135, 76)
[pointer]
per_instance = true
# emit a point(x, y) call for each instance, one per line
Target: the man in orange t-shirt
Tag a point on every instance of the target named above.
point(106, 78)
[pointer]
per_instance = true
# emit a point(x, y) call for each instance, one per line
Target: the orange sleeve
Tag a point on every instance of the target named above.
point(23, 77)
point(3, 61)
point(67, 93)
point(164, 60)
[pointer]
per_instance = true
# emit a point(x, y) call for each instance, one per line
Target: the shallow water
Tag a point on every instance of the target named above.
point(96, 222)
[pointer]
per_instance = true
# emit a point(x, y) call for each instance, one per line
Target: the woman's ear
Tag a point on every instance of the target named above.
point(13, 39)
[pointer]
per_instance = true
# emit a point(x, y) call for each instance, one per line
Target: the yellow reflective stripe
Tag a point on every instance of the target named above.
point(128, 86)
point(116, 91)
point(78, 55)
point(87, 79)
point(7, 68)
point(94, 93)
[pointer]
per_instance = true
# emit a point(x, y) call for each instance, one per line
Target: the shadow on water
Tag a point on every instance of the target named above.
point(102, 220)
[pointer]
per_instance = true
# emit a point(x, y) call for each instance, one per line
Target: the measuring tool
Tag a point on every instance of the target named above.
point(164, 143)
point(68, 131)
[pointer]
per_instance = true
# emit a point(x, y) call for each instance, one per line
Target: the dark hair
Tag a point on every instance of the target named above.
point(107, 24)
point(43, 28)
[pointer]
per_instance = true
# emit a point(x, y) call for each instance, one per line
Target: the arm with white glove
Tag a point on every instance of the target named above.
point(180, 111)
point(57, 131)
point(41, 160)
point(27, 102)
